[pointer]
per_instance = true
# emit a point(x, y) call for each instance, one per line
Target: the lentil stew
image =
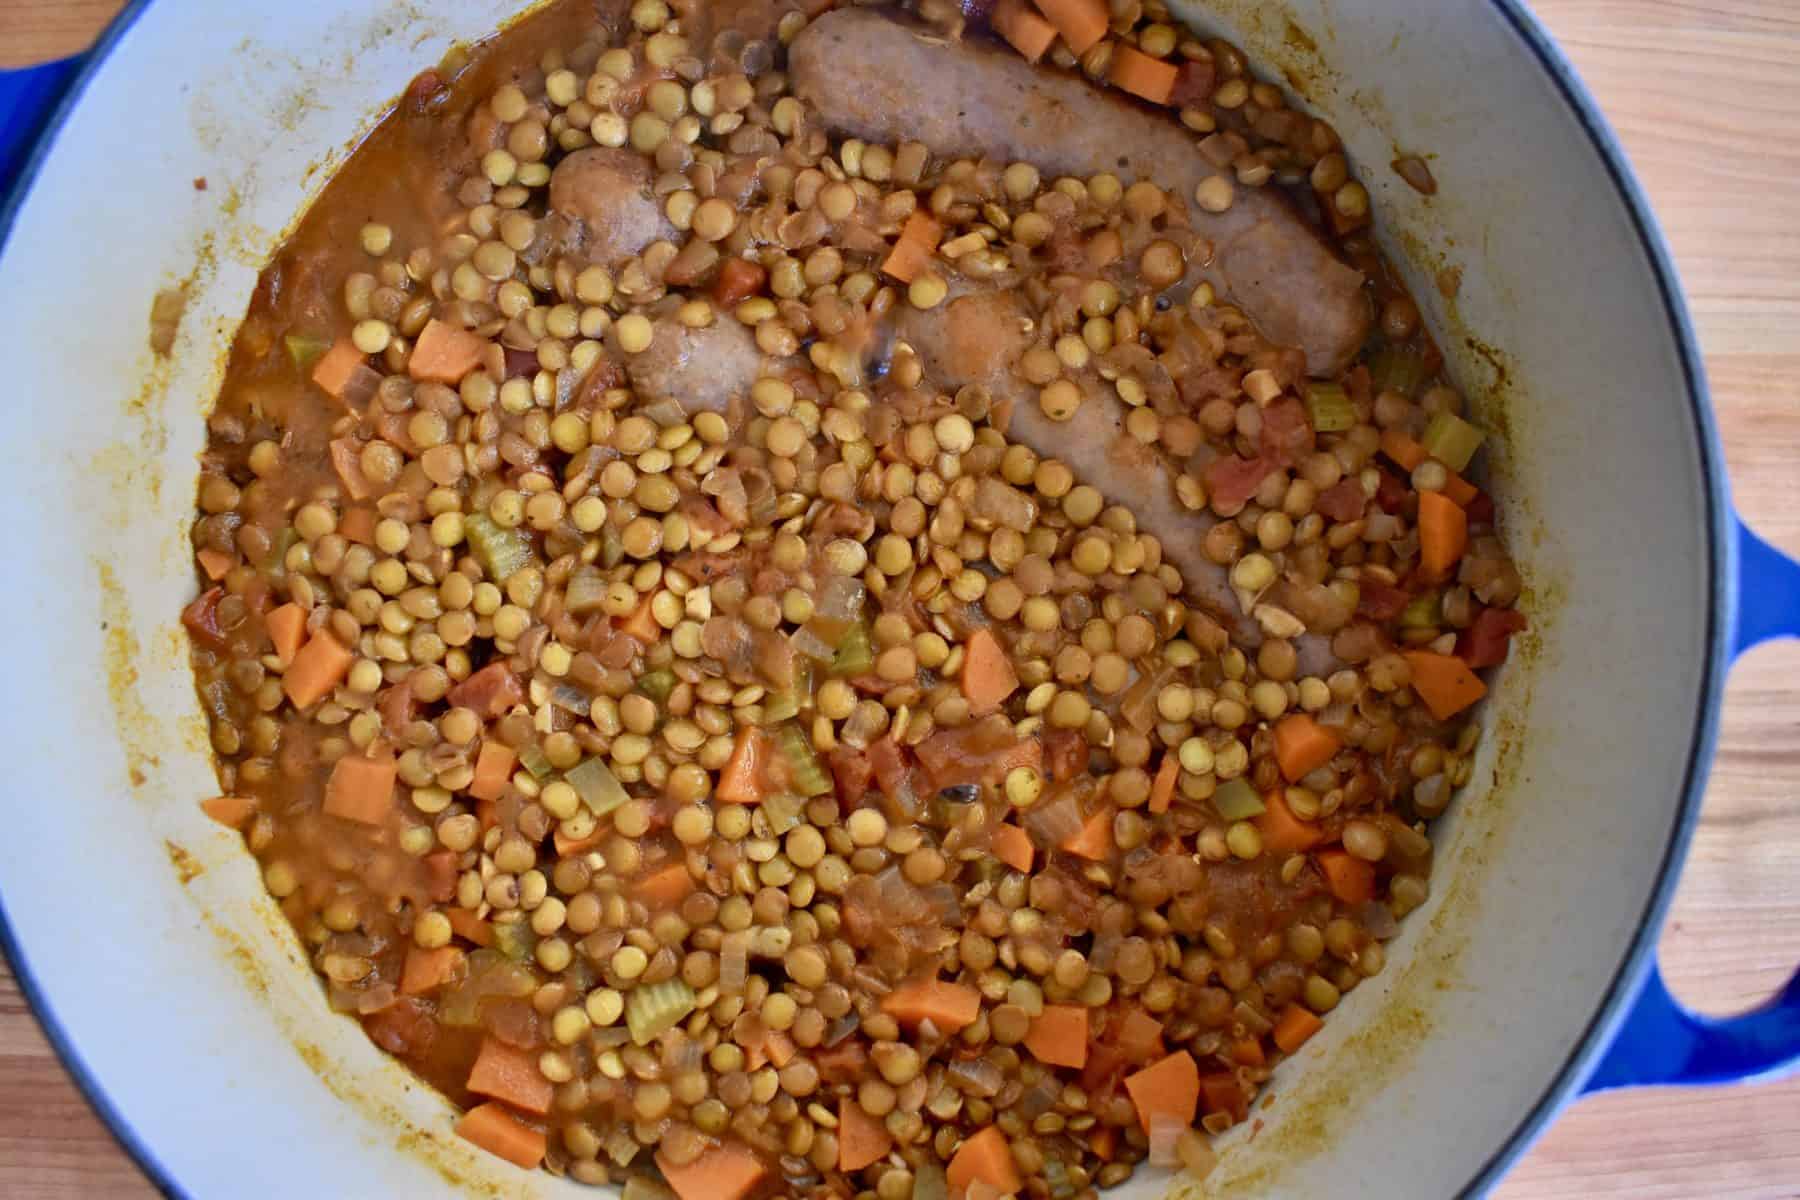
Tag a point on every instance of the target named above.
point(843, 602)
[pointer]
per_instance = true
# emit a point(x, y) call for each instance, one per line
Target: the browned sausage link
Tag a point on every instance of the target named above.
point(608, 192)
point(965, 99)
point(704, 369)
point(977, 338)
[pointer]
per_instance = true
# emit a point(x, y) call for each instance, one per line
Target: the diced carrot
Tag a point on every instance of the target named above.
point(335, 366)
point(488, 813)
point(470, 927)
point(428, 969)
point(318, 666)
point(568, 847)
point(1402, 449)
point(1094, 840)
point(1012, 846)
point(862, 1139)
point(1023, 29)
point(1081, 22)
point(214, 562)
point(1162, 789)
point(287, 629)
point(1059, 1035)
point(493, 770)
point(1146, 78)
point(988, 677)
point(1444, 682)
point(505, 1072)
point(1350, 879)
point(346, 460)
point(1294, 1027)
point(725, 1172)
point(1283, 832)
point(741, 782)
point(1220, 1092)
point(1169, 1087)
point(358, 525)
point(1443, 534)
point(1460, 489)
point(444, 354)
point(230, 811)
point(986, 1157)
point(949, 1006)
point(1105, 1143)
point(500, 1133)
point(1249, 1052)
point(361, 789)
point(916, 247)
point(641, 624)
point(1302, 746)
point(779, 1048)
point(665, 888)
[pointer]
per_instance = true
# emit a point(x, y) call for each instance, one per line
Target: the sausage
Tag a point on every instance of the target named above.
point(976, 338)
point(965, 99)
point(702, 368)
point(609, 193)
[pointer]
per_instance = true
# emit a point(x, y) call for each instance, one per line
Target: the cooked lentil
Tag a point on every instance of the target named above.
point(673, 744)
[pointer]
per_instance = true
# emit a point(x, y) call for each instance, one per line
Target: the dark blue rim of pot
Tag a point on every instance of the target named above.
point(1640, 1035)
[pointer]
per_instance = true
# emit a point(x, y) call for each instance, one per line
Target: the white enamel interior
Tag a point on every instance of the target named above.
point(191, 1005)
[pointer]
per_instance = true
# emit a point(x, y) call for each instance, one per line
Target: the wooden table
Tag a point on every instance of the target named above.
point(1704, 96)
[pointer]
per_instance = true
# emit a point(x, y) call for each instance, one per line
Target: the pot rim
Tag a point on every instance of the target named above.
point(1720, 614)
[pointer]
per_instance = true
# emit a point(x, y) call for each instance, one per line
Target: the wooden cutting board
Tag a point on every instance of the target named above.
point(1707, 100)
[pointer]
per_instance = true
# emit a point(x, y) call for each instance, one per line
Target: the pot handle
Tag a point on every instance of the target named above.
point(27, 97)
point(1661, 1041)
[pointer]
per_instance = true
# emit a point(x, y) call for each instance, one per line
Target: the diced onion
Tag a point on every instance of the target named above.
point(1165, 1131)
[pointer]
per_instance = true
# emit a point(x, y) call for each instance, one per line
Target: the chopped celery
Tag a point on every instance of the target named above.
point(532, 758)
point(1328, 407)
point(586, 592)
point(304, 350)
point(786, 704)
point(515, 939)
point(653, 1011)
point(783, 811)
point(854, 655)
point(1451, 440)
point(657, 684)
point(1423, 612)
point(1236, 800)
point(806, 772)
point(597, 786)
point(1397, 369)
point(500, 551)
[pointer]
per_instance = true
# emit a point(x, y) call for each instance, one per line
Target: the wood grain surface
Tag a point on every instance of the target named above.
point(1705, 97)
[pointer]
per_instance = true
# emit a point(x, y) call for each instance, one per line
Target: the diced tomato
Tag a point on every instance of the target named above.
point(1359, 385)
point(739, 279)
point(1286, 435)
point(1065, 753)
point(1193, 84)
point(1391, 495)
point(1231, 480)
point(852, 771)
point(1380, 601)
point(398, 707)
point(489, 691)
point(888, 764)
point(1343, 501)
point(202, 618)
point(405, 1028)
point(1480, 509)
point(1485, 642)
